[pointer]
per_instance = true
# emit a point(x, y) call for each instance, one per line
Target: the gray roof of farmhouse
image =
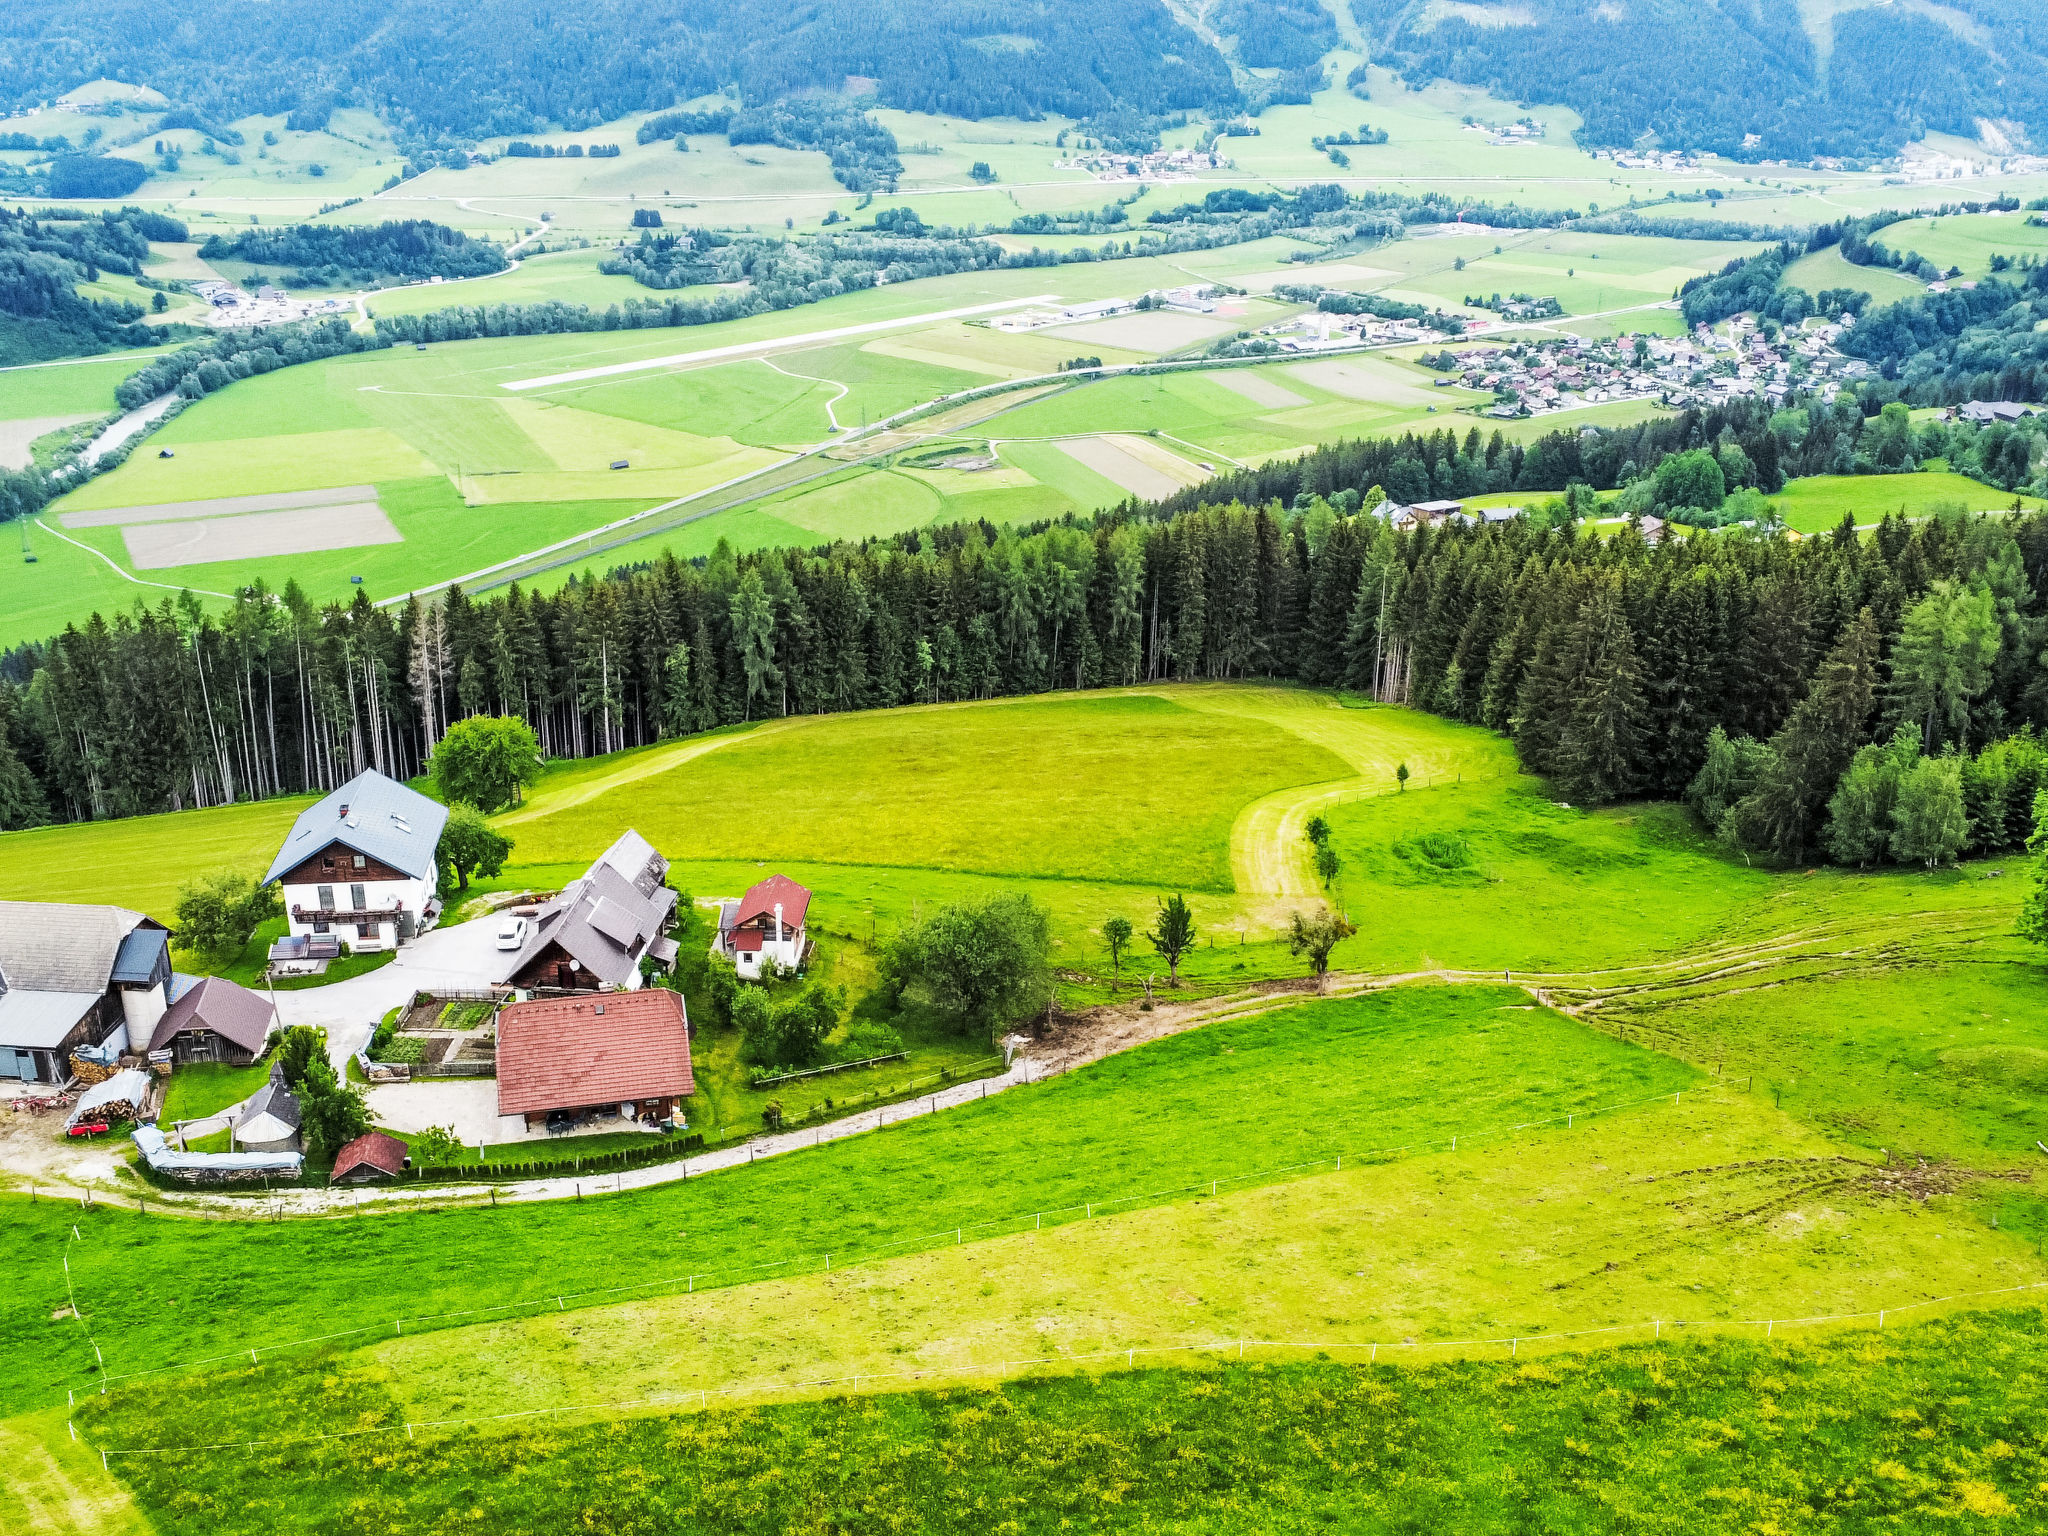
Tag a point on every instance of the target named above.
point(385, 821)
point(603, 921)
point(58, 946)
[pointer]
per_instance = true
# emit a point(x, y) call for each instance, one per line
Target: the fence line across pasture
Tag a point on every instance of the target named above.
point(821, 1261)
point(701, 1396)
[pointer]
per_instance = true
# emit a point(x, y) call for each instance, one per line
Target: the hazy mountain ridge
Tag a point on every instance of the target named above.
point(444, 73)
point(1739, 77)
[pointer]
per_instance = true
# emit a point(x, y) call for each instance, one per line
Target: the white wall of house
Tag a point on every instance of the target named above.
point(376, 896)
point(785, 951)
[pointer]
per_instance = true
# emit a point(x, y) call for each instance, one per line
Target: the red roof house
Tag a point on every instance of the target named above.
point(370, 1157)
point(766, 923)
point(603, 1051)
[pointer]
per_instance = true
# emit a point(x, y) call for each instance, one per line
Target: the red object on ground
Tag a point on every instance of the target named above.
point(84, 1130)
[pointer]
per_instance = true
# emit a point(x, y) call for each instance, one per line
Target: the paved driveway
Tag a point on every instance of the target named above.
point(461, 955)
point(468, 1105)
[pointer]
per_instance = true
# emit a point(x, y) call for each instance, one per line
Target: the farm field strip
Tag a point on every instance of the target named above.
point(1234, 1350)
point(748, 349)
point(155, 546)
point(220, 506)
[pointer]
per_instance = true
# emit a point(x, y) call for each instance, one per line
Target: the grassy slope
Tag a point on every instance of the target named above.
point(1233, 1099)
point(862, 790)
point(1967, 240)
point(1826, 269)
point(1818, 503)
point(1845, 1434)
point(1732, 1204)
point(142, 861)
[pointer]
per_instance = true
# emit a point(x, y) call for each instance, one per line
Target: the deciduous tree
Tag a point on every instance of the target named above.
point(486, 761)
point(980, 962)
point(471, 845)
point(1314, 936)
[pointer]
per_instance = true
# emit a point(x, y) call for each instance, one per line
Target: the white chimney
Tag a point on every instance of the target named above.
point(778, 922)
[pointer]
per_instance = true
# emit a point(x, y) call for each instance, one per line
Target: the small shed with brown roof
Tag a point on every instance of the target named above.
point(371, 1157)
point(625, 1053)
point(215, 1020)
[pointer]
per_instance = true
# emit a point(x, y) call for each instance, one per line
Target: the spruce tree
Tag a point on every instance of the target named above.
point(1599, 747)
point(1781, 815)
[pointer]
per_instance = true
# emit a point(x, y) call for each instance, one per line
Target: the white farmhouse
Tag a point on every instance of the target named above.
point(765, 924)
point(359, 866)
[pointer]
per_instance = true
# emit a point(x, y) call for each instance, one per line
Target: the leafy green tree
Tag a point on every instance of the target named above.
point(1931, 827)
point(217, 913)
point(1944, 659)
point(471, 845)
point(721, 990)
point(1861, 814)
point(1728, 772)
point(435, 1147)
point(980, 962)
point(1173, 935)
point(1690, 479)
point(486, 761)
point(753, 1015)
point(331, 1113)
point(1313, 938)
point(1317, 831)
point(297, 1048)
point(789, 1034)
point(1401, 776)
point(1116, 934)
point(1327, 864)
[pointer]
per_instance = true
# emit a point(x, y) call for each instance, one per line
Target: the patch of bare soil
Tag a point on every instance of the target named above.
point(1064, 1041)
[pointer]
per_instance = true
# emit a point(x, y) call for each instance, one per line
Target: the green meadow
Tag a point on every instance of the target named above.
point(1827, 269)
point(1967, 240)
point(1648, 1085)
point(1818, 503)
point(1896, 1432)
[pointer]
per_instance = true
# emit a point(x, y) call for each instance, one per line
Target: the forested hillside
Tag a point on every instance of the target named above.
point(41, 263)
point(1738, 77)
point(445, 74)
point(331, 255)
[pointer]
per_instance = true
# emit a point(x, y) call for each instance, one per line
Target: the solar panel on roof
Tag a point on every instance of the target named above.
point(614, 922)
